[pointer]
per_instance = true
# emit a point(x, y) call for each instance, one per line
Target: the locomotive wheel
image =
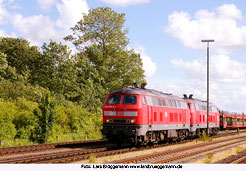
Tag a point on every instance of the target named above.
point(154, 137)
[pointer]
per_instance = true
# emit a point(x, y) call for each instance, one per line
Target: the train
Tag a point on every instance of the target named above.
point(139, 116)
point(232, 120)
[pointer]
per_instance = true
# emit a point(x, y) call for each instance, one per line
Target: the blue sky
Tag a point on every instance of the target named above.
point(167, 34)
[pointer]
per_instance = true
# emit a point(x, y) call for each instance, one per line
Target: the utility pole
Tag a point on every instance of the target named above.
point(207, 41)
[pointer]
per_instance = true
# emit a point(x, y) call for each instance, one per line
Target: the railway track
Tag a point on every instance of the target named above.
point(41, 147)
point(75, 155)
point(174, 154)
point(71, 156)
point(113, 152)
point(189, 154)
point(44, 157)
point(241, 160)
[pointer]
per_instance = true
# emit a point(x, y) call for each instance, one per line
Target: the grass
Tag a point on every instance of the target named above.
point(205, 138)
point(51, 139)
point(105, 160)
point(239, 149)
point(92, 158)
point(222, 154)
point(15, 142)
point(209, 158)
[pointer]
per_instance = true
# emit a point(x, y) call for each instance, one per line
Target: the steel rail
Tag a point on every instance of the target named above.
point(196, 152)
point(40, 147)
point(240, 160)
point(149, 156)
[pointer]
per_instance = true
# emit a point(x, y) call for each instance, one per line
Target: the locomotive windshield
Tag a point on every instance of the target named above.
point(114, 99)
point(129, 100)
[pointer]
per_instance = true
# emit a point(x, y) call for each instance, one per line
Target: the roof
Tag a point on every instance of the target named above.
point(152, 92)
point(142, 91)
point(198, 101)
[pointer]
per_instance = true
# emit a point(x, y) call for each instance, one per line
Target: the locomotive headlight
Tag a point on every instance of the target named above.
point(132, 121)
point(107, 120)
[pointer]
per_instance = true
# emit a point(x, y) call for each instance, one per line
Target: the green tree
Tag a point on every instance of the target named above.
point(6, 71)
point(56, 70)
point(66, 80)
point(20, 54)
point(46, 73)
point(103, 41)
point(3, 64)
point(19, 89)
point(13, 85)
point(91, 92)
point(46, 116)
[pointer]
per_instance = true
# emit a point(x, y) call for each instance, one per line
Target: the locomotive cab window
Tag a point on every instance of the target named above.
point(114, 99)
point(129, 100)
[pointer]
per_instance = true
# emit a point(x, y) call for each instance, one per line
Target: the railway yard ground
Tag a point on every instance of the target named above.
point(227, 147)
point(215, 156)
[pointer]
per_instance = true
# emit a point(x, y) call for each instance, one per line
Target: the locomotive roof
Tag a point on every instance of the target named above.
point(198, 101)
point(150, 92)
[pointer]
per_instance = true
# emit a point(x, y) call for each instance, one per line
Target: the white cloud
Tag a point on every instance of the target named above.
point(71, 12)
point(229, 11)
point(227, 76)
point(194, 69)
point(148, 65)
point(40, 28)
point(227, 81)
point(224, 25)
point(4, 34)
point(37, 28)
point(46, 4)
point(222, 69)
point(124, 2)
point(228, 96)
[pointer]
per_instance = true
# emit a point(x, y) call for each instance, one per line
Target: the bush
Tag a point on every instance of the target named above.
point(24, 119)
point(71, 123)
point(62, 119)
point(46, 116)
point(7, 131)
point(56, 131)
point(83, 122)
point(7, 113)
point(15, 142)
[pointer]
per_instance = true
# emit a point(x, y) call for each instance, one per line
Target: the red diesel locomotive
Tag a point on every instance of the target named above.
point(140, 115)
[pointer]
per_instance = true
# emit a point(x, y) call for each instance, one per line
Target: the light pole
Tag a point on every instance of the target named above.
point(208, 41)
